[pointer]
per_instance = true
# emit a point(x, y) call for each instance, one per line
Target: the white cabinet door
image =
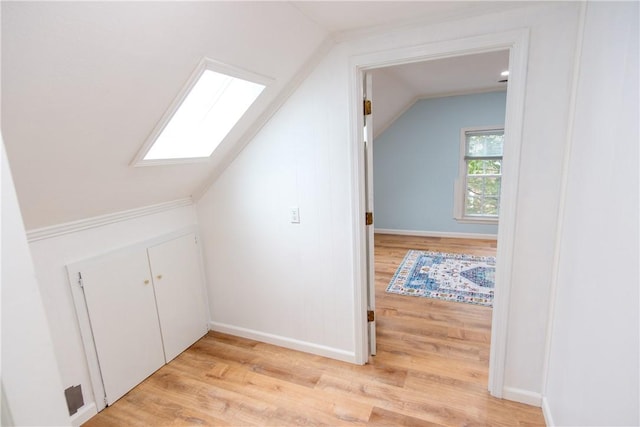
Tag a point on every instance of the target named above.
point(178, 282)
point(122, 310)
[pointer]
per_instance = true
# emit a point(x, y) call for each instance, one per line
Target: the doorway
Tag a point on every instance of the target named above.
point(515, 44)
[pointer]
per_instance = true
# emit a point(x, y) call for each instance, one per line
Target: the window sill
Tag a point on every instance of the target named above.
point(471, 220)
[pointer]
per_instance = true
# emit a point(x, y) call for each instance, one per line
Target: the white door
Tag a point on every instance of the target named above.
point(177, 278)
point(368, 160)
point(122, 311)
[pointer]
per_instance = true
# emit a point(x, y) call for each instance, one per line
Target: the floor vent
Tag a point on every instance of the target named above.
point(74, 398)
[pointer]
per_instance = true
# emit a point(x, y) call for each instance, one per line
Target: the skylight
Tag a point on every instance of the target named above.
point(209, 110)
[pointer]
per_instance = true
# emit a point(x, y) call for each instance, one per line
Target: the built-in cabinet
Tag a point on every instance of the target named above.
point(139, 308)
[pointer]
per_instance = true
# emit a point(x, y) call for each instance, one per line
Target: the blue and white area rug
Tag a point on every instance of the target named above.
point(450, 277)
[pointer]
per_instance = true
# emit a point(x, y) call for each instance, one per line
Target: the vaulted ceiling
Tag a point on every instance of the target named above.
point(397, 88)
point(84, 84)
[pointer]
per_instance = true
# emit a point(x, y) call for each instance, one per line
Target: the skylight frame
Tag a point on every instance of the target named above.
point(204, 65)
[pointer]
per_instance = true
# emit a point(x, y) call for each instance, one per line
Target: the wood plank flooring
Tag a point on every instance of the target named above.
point(431, 370)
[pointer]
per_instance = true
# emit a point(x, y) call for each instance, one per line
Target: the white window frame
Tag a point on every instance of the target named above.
point(460, 185)
point(204, 64)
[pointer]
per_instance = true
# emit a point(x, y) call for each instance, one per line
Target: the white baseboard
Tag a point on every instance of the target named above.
point(437, 234)
point(83, 415)
point(546, 411)
point(523, 396)
point(307, 347)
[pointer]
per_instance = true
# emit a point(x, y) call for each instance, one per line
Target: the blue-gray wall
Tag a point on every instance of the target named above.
point(416, 162)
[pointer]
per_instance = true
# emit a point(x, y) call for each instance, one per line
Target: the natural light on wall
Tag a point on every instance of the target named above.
point(209, 111)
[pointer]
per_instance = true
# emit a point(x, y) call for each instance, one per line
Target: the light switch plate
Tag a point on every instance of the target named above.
point(294, 214)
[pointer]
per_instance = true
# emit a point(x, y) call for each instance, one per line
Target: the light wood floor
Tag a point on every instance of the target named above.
point(430, 370)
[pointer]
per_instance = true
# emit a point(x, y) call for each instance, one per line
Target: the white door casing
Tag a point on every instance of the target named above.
point(368, 162)
point(517, 42)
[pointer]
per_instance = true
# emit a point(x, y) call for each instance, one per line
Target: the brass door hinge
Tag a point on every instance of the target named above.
point(368, 218)
point(366, 107)
point(370, 316)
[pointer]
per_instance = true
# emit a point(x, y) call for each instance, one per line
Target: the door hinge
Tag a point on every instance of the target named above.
point(366, 105)
point(371, 316)
point(368, 218)
point(80, 280)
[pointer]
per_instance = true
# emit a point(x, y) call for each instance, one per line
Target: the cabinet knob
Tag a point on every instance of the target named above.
point(159, 276)
point(146, 282)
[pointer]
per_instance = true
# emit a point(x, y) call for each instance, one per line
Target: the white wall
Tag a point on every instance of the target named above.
point(33, 393)
point(274, 279)
point(593, 376)
point(416, 163)
point(393, 97)
point(50, 257)
point(113, 69)
point(293, 284)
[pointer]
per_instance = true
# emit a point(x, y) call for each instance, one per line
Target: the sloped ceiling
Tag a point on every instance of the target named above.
point(346, 19)
point(397, 88)
point(84, 83)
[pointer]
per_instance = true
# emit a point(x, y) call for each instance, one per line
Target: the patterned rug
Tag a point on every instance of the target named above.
point(450, 277)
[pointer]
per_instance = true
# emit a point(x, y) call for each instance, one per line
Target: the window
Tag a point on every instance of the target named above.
point(212, 103)
point(480, 175)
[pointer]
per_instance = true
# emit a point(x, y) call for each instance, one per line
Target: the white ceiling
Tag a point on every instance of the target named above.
point(397, 88)
point(339, 17)
point(84, 83)
point(469, 73)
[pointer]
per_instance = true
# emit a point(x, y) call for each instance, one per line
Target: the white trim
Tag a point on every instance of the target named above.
point(449, 234)
point(307, 347)
point(204, 64)
point(461, 181)
point(168, 162)
point(83, 415)
point(479, 221)
point(102, 220)
point(82, 315)
point(513, 128)
point(493, 89)
point(546, 411)
point(517, 41)
point(523, 396)
point(357, 193)
point(420, 20)
point(563, 198)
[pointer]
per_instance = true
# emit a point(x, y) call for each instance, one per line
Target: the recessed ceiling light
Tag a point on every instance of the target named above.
point(504, 73)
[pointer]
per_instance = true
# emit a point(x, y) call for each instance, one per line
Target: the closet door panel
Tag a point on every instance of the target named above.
point(124, 320)
point(179, 286)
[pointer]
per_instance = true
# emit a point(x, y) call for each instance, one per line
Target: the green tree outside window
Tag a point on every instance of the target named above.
point(483, 159)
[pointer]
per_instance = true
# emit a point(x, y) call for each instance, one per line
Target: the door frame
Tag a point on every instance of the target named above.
point(367, 152)
point(517, 42)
